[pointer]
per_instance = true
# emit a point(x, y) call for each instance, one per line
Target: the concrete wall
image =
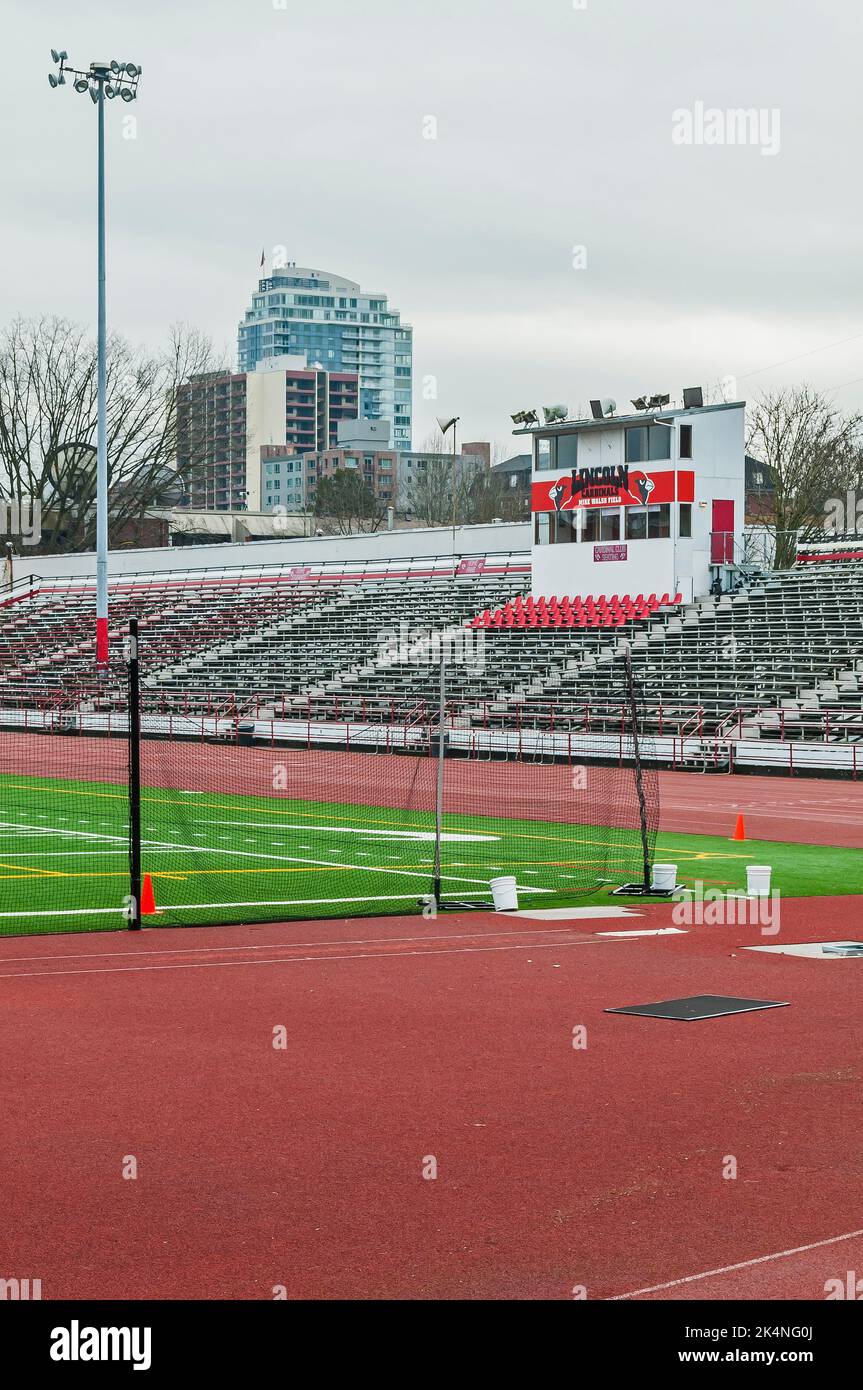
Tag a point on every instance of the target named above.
point(265, 424)
point(470, 540)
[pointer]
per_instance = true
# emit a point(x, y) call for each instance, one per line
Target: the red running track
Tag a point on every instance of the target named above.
point(557, 1168)
point(800, 810)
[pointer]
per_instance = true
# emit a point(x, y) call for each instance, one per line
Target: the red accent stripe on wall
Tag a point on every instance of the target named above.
point(685, 485)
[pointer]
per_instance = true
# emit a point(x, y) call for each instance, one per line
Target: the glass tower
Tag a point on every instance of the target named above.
point(340, 326)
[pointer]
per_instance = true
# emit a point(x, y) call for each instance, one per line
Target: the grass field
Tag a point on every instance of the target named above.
point(230, 858)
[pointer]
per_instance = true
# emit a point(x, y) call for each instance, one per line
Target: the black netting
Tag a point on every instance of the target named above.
point(329, 810)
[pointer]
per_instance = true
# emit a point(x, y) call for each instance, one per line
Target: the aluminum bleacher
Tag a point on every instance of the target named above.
point(780, 661)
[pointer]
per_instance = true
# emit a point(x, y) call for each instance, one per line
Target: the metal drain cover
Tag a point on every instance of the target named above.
point(698, 1006)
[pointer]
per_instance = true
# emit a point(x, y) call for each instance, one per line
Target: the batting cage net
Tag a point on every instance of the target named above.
point(138, 815)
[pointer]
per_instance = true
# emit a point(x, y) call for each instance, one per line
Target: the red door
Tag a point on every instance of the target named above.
point(722, 533)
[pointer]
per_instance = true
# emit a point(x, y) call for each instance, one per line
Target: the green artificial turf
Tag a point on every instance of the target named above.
point(216, 857)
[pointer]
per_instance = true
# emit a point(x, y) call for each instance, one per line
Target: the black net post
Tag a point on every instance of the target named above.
point(134, 779)
point(436, 887)
point(639, 775)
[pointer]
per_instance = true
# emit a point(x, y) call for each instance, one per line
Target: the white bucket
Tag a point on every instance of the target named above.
point(757, 879)
point(664, 877)
point(504, 894)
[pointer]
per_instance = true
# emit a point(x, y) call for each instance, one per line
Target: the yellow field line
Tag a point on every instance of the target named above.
point(45, 873)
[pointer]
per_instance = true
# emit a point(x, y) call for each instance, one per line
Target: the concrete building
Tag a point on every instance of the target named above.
point(229, 423)
point(340, 325)
point(646, 503)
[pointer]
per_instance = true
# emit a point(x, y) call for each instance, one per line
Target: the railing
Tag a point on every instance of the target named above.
point(497, 564)
point(824, 741)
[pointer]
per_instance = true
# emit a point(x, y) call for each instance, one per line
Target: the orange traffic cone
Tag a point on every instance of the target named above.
point(148, 902)
point(739, 830)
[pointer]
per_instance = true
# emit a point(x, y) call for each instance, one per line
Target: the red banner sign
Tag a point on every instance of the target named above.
point(471, 566)
point(611, 487)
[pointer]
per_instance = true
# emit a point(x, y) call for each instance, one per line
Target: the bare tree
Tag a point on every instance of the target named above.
point(445, 488)
point(48, 417)
point(345, 504)
point(811, 452)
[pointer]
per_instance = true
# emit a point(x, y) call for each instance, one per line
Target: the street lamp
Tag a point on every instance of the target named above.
point(101, 80)
point(445, 425)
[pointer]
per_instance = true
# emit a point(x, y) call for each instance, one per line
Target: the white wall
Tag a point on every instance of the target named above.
point(470, 540)
point(654, 566)
point(570, 569)
point(265, 424)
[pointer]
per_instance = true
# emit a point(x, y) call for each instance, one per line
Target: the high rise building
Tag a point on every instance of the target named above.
point(343, 327)
point(228, 423)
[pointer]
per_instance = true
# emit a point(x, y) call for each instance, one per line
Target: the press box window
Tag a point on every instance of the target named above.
point(685, 520)
point(648, 443)
point(686, 441)
point(544, 454)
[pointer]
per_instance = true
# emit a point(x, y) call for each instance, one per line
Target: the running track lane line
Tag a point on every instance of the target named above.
point(300, 960)
point(290, 945)
point(731, 1269)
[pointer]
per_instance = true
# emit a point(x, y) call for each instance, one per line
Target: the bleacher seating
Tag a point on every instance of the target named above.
point(578, 611)
point(782, 657)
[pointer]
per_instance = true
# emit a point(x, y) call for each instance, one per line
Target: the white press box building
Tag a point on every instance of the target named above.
point(650, 503)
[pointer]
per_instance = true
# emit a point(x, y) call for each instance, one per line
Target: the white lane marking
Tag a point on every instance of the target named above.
point(730, 1269)
point(284, 945)
point(293, 960)
point(550, 914)
point(647, 931)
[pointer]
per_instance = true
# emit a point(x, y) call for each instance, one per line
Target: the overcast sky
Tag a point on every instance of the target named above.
point(272, 122)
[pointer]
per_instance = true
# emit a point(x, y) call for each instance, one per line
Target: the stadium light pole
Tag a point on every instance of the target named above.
point(100, 80)
point(445, 425)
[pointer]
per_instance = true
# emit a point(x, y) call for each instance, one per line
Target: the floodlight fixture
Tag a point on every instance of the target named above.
point(640, 402)
point(552, 414)
point(658, 402)
point(693, 397)
point(101, 79)
point(525, 417)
